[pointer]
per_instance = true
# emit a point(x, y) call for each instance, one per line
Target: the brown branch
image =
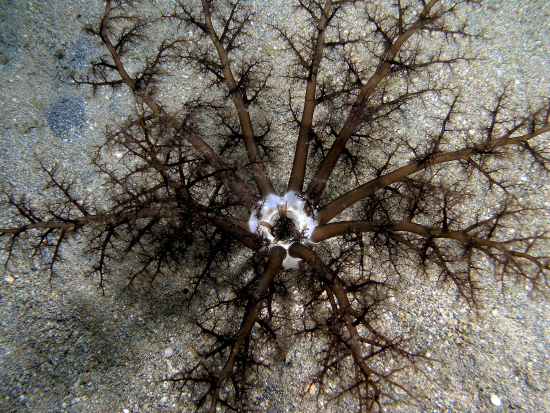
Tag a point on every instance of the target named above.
point(276, 257)
point(237, 228)
point(296, 180)
point(335, 207)
point(324, 232)
point(149, 101)
point(345, 310)
point(262, 181)
point(114, 218)
point(359, 348)
point(354, 118)
point(236, 184)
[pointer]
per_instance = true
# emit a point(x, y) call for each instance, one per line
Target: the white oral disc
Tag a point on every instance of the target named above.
point(268, 212)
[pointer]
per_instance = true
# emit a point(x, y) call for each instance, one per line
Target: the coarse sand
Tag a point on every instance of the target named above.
point(66, 347)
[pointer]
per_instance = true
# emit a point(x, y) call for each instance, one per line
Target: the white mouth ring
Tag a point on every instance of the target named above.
point(267, 211)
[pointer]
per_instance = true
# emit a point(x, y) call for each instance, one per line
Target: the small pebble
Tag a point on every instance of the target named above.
point(168, 352)
point(9, 279)
point(86, 379)
point(125, 411)
point(495, 400)
point(458, 341)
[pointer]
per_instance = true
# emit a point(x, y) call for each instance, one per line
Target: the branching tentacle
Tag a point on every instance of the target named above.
point(262, 181)
point(355, 117)
point(300, 155)
point(332, 209)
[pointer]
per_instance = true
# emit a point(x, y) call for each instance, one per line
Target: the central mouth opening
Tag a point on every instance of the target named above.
point(283, 221)
point(283, 225)
point(285, 229)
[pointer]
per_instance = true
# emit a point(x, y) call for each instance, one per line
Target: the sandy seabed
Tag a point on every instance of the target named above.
point(67, 347)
